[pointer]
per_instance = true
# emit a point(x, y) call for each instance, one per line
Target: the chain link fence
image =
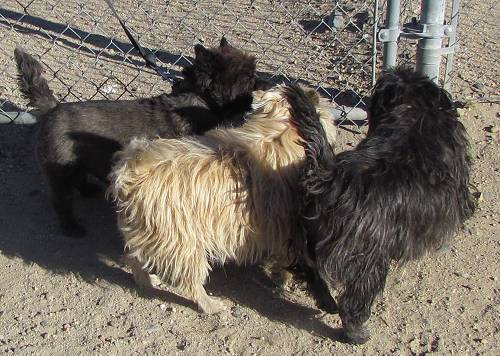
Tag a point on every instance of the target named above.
point(327, 44)
point(330, 45)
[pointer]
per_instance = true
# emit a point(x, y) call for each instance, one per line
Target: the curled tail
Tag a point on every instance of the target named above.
point(306, 119)
point(32, 84)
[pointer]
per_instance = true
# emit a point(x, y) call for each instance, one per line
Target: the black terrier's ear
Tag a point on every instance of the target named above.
point(200, 51)
point(223, 42)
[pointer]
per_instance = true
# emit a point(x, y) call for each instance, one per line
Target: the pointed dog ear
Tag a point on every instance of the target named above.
point(223, 42)
point(200, 51)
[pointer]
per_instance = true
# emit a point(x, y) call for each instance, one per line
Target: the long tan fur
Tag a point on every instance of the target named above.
point(185, 204)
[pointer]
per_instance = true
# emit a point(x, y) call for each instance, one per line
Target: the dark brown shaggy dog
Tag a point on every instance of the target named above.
point(77, 139)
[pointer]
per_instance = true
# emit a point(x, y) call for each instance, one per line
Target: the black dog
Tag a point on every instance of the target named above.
point(400, 193)
point(77, 139)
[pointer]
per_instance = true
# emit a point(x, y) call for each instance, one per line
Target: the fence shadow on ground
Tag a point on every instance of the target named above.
point(30, 232)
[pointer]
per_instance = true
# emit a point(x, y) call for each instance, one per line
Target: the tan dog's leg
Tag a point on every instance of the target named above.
point(192, 286)
point(141, 277)
point(209, 305)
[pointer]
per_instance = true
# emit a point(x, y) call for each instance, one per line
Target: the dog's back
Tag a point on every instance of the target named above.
point(410, 182)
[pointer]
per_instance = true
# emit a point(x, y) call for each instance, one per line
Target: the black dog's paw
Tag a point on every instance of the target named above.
point(357, 335)
point(73, 230)
point(328, 305)
point(90, 190)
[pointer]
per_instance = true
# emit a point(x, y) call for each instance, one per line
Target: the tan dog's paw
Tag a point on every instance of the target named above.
point(213, 305)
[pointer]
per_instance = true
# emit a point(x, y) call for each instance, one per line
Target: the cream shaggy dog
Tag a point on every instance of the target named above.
point(186, 204)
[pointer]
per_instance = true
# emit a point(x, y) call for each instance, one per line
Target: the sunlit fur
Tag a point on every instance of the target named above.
point(399, 194)
point(185, 204)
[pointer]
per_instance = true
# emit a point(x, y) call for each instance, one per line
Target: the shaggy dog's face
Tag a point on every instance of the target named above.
point(222, 75)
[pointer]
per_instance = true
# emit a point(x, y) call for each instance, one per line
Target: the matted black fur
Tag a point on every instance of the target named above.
point(77, 139)
point(400, 193)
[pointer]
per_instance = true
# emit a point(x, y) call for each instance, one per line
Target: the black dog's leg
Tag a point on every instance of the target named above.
point(363, 285)
point(61, 181)
point(86, 188)
point(320, 291)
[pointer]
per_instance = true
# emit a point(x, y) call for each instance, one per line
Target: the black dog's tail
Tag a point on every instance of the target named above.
point(32, 84)
point(307, 121)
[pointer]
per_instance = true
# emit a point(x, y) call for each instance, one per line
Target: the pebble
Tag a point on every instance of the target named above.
point(414, 346)
point(440, 344)
point(152, 328)
point(163, 307)
point(478, 85)
point(66, 327)
point(472, 231)
point(237, 311)
point(44, 335)
point(488, 195)
point(182, 344)
point(491, 129)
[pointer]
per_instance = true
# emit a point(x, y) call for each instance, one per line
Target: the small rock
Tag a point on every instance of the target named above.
point(152, 328)
point(478, 85)
point(414, 346)
point(102, 338)
point(43, 323)
point(488, 195)
point(163, 307)
point(460, 112)
point(491, 129)
point(181, 345)
point(440, 344)
point(44, 335)
point(237, 311)
point(472, 231)
point(66, 327)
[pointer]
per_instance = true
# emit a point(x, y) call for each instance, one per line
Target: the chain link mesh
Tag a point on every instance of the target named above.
point(326, 44)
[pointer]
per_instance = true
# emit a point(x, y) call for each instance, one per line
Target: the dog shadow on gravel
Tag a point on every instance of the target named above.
point(29, 231)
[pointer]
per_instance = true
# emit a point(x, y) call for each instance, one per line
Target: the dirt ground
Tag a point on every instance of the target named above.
point(65, 297)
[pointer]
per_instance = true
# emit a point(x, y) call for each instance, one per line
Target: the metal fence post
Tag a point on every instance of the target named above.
point(429, 49)
point(389, 36)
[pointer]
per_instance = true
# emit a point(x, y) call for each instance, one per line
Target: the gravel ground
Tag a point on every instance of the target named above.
point(67, 297)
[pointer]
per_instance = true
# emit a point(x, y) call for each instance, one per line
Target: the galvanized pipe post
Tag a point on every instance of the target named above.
point(389, 36)
point(429, 49)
